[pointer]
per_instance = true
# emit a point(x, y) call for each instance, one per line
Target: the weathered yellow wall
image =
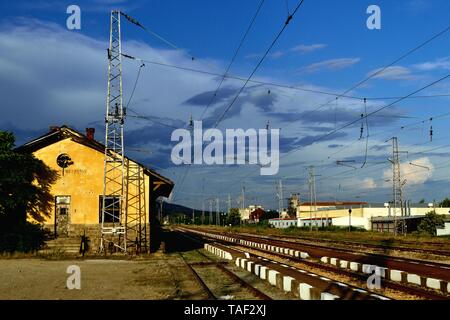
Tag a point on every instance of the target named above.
point(83, 180)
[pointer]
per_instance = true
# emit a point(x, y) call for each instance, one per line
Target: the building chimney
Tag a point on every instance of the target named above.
point(90, 133)
point(53, 129)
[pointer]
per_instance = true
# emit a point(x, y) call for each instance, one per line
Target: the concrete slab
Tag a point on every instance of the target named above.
point(328, 296)
point(273, 277)
point(305, 291)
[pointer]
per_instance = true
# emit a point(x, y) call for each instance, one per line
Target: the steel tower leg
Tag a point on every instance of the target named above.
point(113, 218)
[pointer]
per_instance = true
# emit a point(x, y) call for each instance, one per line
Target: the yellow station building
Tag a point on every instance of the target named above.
point(78, 192)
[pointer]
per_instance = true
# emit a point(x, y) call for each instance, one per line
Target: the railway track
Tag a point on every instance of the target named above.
point(420, 267)
point(322, 285)
point(386, 283)
point(444, 253)
point(221, 267)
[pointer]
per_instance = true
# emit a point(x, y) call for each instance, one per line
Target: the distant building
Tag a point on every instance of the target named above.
point(283, 223)
point(257, 215)
point(245, 212)
point(368, 216)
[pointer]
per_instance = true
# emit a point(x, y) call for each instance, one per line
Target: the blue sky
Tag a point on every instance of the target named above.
point(60, 74)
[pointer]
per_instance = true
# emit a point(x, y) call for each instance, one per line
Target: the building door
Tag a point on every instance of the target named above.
point(62, 216)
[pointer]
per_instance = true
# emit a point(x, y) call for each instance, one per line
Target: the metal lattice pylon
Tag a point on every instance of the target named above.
point(397, 186)
point(135, 217)
point(113, 218)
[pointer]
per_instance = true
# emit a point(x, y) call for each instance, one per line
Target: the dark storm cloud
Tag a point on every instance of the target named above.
point(23, 135)
point(156, 132)
point(380, 147)
point(289, 143)
point(261, 99)
point(203, 99)
point(339, 117)
point(309, 140)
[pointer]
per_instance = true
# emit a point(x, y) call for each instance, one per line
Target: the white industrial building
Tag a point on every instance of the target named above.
point(368, 216)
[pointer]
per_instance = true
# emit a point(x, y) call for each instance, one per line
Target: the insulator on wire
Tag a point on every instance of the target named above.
point(431, 130)
point(362, 127)
point(268, 91)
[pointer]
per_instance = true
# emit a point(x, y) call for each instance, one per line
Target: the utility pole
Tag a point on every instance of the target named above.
point(279, 190)
point(203, 201)
point(210, 211)
point(243, 196)
point(193, 217)
point(203, 212)
point(397, 184)
point(217, 212)
point(312, 194)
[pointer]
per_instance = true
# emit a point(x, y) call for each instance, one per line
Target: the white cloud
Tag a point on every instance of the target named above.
point(369, 183)
point(302, 48)
point(418, 173)
point(330, 65)
point(393, 73)
point(442, 63)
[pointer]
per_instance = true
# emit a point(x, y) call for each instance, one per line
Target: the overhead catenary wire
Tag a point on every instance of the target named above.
point(365, 116)
point(274, 84)
point(286, 23)
point(381, 70)
point(241, 43)
point(167, 42)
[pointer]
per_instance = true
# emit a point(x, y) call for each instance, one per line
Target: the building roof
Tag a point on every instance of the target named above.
point(64, 132)
point(391, 218)
point(333, 203)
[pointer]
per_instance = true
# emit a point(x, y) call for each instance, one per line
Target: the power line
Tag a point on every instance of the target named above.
point(274, 84)
point(364, 117)
point(167, 42)
point(381, 70)
point(286, 23)
point(372, 113)
point(233, 58)
point(135, 84)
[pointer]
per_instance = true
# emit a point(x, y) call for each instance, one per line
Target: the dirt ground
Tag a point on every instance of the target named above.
point(161, 277)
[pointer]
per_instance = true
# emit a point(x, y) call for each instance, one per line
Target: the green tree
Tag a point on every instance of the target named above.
point(271, 214)
point(25, 184)
point(422, 201)
point(430, 222)
point(234, 217)
point(445, 203)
